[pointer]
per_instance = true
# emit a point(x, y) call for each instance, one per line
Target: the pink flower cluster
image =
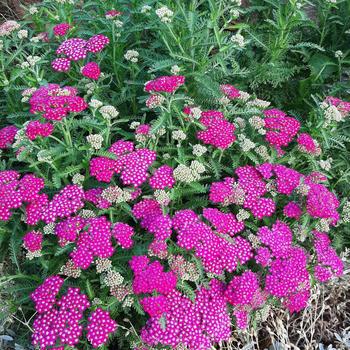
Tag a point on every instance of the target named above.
point(150, 277)
point(123, 233)
point(54, 102)
point(307, 144)
point(131, 164)
point(288, 277)
point(167, 84)
point(61, 29)
point(230, 91)
point(292, 210)
point(63, 204)
point(35, 129)
point(328, 262)
point(143, 129)
point(76, 49)
point(91, 70)
point(321, 203)
point(218, 131)
point(176, 320)
point(15, 191)
point(216, 252)
point(342, 106)
point(112, 13)
point(162, 178)
point(7, 136)
point(32, 241)
point(244, 293)
point(94, 242)
point(68, 230)
point(225, 223)
point(281, 129)
point(58, 321)
point(94, 196)
point(100, 325)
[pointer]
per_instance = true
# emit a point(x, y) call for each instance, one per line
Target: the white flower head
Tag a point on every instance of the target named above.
point(165, 14)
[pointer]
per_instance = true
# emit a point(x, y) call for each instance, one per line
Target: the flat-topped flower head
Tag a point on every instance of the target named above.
point(61, 29)
point(167, 84)
point(91, 70)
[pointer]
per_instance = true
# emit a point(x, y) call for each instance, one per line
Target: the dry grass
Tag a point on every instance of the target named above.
point(324, 324)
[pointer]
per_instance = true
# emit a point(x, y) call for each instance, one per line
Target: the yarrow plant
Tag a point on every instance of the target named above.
point(139, 211)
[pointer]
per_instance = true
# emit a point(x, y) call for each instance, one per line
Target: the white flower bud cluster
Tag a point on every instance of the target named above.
point(224, 100)
point(155, 101)
point(27, 93)
point(70, 270)
point(258, 103)
point(323, 225)
point(346, 212)
point(262, 152)
point(197, 167)
point(326, 164)
point(236, 2)
point(256, 122)
point(108, 112)
point(238, 39)
point(141, 138)
point(118, 23)
point(198, 150)
point(65, 2)
point(128, 301)
point(240, 122)
point(113, 279)
point(195, 112)
point(254, 240)
point(178, 135)
point(87, 214)
point(8, 27)
point(242, 215)
point(146, 9)
point(94, 103)
point(22, 34)
point(103, 265)
point(33, 10)
point(338, 54)
point(90, 87)
point(134, 125)
point(244, 96)
point(303, 189)
point(95, 141)
point(162, 197)
point(331, 113)
point(245, 143)
point(78, 179)
point(165, 14)
point(234, 13)
point(112, 194)
point(263, 314)
point(238, 196)
point(161, 132)
point(175, 69)
point(115, 194)
point(44, 156)
point(49, 229)
point(132, 56)
point(183, 173)
point(31, 255)
point(96, 301)
point(31, 61)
